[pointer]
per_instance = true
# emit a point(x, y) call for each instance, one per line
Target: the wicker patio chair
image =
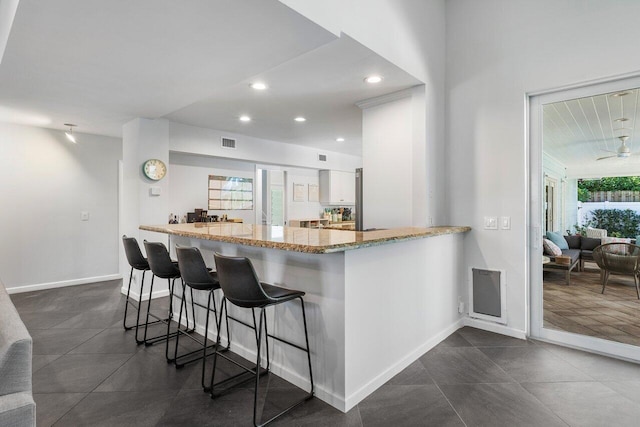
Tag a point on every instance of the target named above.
point(618, 258)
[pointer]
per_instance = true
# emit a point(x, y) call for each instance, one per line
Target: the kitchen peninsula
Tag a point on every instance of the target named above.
point(375, 300)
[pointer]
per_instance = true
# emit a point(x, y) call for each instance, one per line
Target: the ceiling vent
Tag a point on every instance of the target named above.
point(322, 157)
point(228, 143)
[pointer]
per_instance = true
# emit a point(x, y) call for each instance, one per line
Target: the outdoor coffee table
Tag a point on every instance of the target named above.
point(552, 265)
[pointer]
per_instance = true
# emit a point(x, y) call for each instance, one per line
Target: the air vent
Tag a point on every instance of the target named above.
point(322, 157)
point(487, 296)
point(228, 143)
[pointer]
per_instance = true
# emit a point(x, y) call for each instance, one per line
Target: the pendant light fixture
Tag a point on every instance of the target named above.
point(69, 134)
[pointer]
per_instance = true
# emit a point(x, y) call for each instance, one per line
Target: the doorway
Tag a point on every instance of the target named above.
point(576, 132)
point(270, 195)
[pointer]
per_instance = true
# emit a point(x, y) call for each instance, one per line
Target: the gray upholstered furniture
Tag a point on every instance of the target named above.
point(17, 407)
point(581, 247)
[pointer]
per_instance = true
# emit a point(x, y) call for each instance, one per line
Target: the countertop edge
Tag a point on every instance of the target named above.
point(327, 249)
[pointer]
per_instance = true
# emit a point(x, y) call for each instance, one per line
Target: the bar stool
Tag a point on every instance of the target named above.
point(196, 275)
point(137, 262)
point(163, 267)
point(242, 288)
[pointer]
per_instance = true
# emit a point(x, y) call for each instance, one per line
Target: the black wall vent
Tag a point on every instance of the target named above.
point(228, 143)
point(322, 157)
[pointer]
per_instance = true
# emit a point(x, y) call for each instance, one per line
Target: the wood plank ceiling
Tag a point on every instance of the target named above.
point(579, 131)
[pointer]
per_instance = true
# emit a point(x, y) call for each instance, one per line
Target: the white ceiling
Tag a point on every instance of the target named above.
point(101, 64)
point(579, 131)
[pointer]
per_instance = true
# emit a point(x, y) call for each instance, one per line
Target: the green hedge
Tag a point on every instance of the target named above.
point(620, 183)
point(617, 222)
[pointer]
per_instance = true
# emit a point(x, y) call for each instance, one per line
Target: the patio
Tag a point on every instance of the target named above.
point(581, 308)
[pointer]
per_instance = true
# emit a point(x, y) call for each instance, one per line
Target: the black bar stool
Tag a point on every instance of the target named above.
point(163, 267)
point(242, 288)
point(137, 262)
point(196, 275)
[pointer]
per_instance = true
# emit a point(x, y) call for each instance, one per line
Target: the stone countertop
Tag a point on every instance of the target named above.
point(309, 240)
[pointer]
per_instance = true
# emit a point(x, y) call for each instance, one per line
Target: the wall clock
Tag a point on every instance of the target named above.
point(154, 169)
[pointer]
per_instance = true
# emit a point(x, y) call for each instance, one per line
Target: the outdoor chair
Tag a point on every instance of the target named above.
point(618, 258)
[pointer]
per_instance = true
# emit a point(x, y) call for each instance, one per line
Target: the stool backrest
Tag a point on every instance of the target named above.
point(134, 254)
point(239, 281)
point(192, 267)
point(160, 261)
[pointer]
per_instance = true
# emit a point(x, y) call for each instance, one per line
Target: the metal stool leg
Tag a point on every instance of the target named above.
point(255, 392)
point(169, 333)
point(126, 304)
point(306, 340)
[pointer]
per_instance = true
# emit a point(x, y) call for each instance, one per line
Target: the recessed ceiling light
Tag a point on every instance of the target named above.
point(340, 139)
point(245, 118)
point(373, 79)
point(622, 119)
point(300, 119)
point(258, 86)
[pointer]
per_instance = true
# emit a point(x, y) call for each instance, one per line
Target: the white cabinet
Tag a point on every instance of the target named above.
point(337, 187)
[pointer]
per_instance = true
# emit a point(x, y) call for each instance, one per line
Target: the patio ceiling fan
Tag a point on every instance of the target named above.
point(622, 152)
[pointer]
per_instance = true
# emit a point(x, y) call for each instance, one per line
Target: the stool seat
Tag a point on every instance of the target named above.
point(278, 294)
point(208, 286)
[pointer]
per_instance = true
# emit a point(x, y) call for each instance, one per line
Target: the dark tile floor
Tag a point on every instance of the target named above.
point(89, 372)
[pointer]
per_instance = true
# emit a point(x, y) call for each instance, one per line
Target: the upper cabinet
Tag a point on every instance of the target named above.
point(337, 187)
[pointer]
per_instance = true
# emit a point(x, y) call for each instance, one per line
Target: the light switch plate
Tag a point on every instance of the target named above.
point(490, 222)
point(84, 216)
point(505, 222)
point(155, 191)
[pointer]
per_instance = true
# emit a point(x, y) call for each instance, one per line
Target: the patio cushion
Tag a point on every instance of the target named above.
point(589, 244)
point(558, 239)
point(573, 241)
point(551, 248)
point(616, 249)
point(573, 253)
point(587, 255)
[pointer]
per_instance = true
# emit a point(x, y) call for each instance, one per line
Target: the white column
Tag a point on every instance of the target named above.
point(142, 139)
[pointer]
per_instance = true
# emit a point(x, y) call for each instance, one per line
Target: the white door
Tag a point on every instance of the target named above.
point(541, 206)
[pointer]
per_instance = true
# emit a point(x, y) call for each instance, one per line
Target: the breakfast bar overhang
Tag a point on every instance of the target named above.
point(376, 301)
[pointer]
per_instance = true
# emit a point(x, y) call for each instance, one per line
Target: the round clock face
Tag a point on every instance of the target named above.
point(154, 169)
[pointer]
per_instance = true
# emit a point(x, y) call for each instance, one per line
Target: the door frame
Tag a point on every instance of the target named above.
point(534, 102)
point(553, 183)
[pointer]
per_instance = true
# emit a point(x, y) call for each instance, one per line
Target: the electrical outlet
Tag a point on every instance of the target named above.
point(460, 305)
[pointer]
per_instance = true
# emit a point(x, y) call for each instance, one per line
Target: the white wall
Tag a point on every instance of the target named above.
point(497, 51)
point(387, 165)
point(45, 182)
point(410, 34)
point(189, 185)
point(304, 209)
point(197, 140)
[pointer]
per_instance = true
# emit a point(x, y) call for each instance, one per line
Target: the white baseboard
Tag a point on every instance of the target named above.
point(278, 369)
point(394, 370)
point(494, 327)
point(136, 296)
point(339, 401)
point(62, 284)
